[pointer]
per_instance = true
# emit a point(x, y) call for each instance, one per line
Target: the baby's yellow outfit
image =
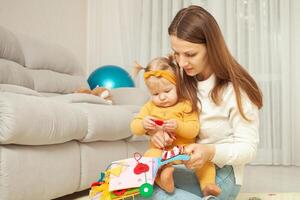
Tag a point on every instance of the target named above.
point(186, 132)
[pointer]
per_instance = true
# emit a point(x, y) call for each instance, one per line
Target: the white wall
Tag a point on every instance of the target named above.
point(105, 33)
point(59, 21)
point(295, 66)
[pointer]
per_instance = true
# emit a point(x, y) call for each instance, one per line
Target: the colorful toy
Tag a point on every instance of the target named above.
point(132, 176)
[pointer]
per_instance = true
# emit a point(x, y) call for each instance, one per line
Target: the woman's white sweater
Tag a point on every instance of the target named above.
point(235, 138)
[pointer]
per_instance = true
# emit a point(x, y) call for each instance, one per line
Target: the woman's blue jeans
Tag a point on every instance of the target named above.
point(187, 186)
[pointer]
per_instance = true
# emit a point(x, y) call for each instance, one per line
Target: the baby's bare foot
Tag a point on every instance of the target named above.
point(211, 189)
point(166, 181)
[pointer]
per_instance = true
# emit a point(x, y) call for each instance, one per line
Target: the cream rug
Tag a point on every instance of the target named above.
point(269, 196)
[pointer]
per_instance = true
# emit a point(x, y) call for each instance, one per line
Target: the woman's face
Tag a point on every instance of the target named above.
point(192, 57)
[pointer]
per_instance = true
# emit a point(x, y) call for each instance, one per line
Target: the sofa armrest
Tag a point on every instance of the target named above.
point(129, 96)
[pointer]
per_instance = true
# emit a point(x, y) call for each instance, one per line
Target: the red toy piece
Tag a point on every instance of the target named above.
point(119, 192)
point(96, 184)
point(177, 150)
point(140, 167)
point(158, 122)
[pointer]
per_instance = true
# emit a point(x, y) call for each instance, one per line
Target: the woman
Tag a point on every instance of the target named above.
point(228, 100)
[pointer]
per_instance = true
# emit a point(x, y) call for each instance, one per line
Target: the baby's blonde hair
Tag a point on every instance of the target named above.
point(159, 63)
point(162, 64)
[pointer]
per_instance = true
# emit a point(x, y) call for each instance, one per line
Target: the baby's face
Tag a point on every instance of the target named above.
point(163, 93)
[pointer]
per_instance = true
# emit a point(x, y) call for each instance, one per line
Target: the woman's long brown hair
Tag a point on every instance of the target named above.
point(194, 24)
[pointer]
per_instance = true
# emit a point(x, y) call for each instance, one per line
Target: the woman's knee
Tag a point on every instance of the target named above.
point(226, 181)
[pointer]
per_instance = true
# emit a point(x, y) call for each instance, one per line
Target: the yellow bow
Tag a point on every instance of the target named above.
point(161, 73)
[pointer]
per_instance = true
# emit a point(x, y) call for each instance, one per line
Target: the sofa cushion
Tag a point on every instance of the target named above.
point(18, 89)
point(49, 94)
point(32, 120)
point(129, 96)
point(10, 48)
point(81, 98)
point(54, 82)
point(14, 73)
point(41, 55)
point(134, 109)
point(106, 122)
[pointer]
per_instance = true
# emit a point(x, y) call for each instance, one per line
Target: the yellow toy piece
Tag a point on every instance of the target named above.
point(102, 192)
point(102, 189)
point(116, 171)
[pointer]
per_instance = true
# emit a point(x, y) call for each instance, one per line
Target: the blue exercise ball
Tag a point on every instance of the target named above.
point(110, 76)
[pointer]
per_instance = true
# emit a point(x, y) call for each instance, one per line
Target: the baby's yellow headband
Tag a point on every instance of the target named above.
point(161, 73)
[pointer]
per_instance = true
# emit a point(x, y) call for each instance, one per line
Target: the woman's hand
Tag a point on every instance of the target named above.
point(148, 123)
point(200, 154)
point(170, 125)
point(161, 139)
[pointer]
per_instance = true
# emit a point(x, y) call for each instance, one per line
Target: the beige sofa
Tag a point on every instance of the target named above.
point(54, 142)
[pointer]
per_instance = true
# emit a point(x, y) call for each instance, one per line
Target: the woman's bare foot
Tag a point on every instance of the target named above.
point(165, 180)
point(211, 189)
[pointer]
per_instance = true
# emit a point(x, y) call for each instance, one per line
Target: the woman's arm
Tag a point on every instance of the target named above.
point(243, 146)
point(199, 153)
point(234, 146)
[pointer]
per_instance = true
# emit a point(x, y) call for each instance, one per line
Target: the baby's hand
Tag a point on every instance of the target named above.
point(170, 125)
point(161, 139)
point(148, 123)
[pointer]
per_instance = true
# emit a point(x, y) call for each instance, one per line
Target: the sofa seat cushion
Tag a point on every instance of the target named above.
point(80, 98)
point(38, 120)
point(33, 120)
point(106, 122)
